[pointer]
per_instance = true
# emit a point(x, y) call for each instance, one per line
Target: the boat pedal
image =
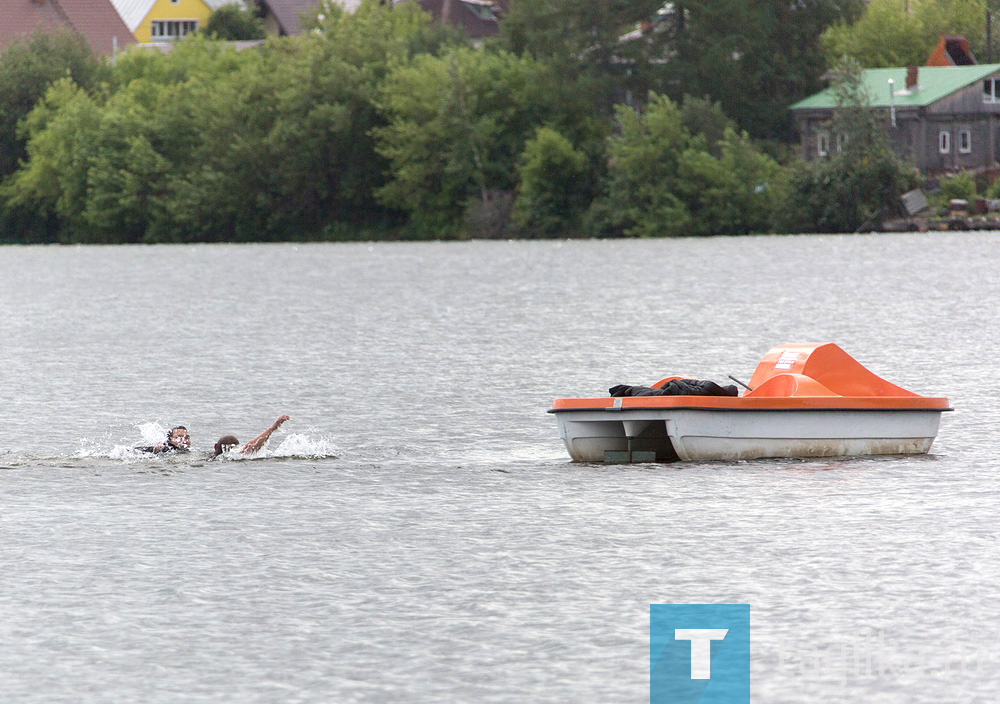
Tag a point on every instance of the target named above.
point(625, 457)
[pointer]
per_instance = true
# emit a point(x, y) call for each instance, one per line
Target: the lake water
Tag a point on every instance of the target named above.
point(416, 532)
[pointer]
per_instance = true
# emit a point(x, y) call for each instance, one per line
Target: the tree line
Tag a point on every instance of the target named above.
point(583, 118)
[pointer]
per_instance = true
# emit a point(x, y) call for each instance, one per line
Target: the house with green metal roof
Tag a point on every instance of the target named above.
point(940, 118)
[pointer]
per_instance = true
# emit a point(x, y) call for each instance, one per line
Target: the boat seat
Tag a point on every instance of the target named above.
point(787, 385)
point(825, 364)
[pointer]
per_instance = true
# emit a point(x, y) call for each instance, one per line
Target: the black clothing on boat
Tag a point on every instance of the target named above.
point(677, 387)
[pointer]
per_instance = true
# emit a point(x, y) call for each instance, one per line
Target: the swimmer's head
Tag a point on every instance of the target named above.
point(178, 438)
point(225, 443)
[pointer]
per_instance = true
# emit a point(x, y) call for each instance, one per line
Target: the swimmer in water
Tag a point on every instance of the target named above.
point(178, 440)
point(227, 442)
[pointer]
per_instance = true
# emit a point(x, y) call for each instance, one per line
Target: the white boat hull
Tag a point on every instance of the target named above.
point(688, 434)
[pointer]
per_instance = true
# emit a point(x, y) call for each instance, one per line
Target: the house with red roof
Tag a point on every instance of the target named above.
point(96, 20)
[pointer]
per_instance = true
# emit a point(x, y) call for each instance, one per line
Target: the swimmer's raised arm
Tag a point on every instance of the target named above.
point(258, 442)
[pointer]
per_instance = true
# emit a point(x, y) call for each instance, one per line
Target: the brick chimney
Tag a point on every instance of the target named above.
point(912, 72)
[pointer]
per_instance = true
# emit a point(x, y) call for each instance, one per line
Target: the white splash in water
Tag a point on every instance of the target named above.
point(150, 434)
point(302, 446)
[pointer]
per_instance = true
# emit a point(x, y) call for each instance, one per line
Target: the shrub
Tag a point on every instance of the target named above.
point(234, 23)
point(961, 186)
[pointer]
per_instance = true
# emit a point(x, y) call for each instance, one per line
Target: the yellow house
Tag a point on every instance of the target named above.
point(166, 20)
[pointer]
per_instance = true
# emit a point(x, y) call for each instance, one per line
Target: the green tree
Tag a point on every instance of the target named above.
point(195, 58)
point(966, 17)
point(554, 186)
point(581, 41)
point(885, 35)
point(456, 126)
point(27, 68)
point(705, 117)
point(903, 32)
point(754, 58)
point(740, 192)
point(644, 160)
point(378, 36)
point(53, 181)
point(283, 148)
point(234, 23)
point(666, 181)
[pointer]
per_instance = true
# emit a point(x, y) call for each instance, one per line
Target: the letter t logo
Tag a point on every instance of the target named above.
point(701, 648)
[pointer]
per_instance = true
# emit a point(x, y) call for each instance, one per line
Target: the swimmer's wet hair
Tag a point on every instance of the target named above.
point(226, 442)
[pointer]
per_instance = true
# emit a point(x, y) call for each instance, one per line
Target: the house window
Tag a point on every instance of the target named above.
point(991, 90)
point(823, 144)
point(841, 142)
point(944, 142)
point(172, 29)
point(964, 141)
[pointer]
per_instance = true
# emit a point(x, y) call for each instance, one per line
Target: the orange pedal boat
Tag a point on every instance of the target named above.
point(807, 400)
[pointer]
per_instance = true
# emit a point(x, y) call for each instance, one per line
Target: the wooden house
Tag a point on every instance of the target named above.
point(940, 118)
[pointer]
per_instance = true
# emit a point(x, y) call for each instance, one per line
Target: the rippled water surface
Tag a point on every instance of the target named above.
point(416, 533)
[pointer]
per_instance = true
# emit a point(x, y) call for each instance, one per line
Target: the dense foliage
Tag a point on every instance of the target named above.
point(903, 32)
point(666, 181)
point(577, 120)
point(27, 69)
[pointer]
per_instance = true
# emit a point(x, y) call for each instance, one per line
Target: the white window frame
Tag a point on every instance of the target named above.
point(944, 142)
point(160, 29)
point(964, 141)
point(823, 143)
point(991, 96)
point(841, 142)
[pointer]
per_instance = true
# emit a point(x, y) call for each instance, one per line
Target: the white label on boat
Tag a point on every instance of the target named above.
point(786, 360)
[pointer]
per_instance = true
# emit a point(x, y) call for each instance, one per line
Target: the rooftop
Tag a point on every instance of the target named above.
point(96, 20)
point(933, 83)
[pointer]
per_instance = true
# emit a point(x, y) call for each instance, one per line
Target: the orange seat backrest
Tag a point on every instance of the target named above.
point(835, 371)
